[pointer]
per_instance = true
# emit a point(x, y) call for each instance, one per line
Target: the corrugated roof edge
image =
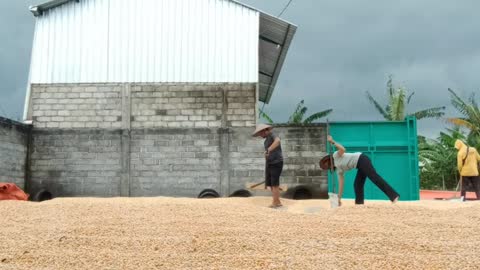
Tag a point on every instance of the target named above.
point(264, 13)
point(278, 67)
point(37, 10)
point(9, 123)
point(292, 28)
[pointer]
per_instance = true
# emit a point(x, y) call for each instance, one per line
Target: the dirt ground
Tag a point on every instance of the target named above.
point(237, 233)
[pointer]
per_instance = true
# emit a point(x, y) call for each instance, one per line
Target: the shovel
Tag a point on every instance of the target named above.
point(332, 196)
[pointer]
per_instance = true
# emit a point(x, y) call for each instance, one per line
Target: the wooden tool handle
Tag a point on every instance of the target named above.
point(256, 185)
point(331, 158)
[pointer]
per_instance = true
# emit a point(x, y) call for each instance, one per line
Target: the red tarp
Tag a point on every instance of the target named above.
point(443, 194)
point(9, 191)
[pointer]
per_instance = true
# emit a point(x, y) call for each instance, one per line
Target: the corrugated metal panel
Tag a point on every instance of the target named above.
point(155, 41)
point(275, 39)
point(71, 43)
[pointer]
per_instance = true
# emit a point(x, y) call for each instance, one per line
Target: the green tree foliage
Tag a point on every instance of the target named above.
point(470, 116)
point(398, 99)
point(298, 115)
point(439, 160)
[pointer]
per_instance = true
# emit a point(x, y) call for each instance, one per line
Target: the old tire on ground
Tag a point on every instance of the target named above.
point(208, 193)
point(302, 193)
point(42, 195)
point(241, 193)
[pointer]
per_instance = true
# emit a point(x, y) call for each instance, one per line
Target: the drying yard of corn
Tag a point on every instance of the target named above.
point(237, 233)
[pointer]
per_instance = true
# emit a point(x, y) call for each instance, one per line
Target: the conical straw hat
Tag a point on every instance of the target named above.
point(259, 128)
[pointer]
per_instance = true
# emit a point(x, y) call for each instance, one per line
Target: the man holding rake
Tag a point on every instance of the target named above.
point(273, 161)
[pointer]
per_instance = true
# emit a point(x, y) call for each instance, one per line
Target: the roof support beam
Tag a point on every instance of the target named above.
point(264, 38)
point(266, 74)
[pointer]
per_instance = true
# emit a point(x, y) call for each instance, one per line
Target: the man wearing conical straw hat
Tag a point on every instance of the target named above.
point(273, 161)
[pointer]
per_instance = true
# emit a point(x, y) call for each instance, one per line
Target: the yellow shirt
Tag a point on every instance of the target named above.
point(470, 168)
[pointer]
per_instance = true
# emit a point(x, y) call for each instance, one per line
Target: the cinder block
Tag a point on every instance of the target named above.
point(57, 119)
point(59, 95)
point(52, 124)
point(173, 124)
point(85, 95)
point(187, 112)
point(188, 100)
point(89, 89)
point(38, 113)
point(187, 124)
point(65, 125)
point(201, 124)
point(44, 119)
point(78, 124)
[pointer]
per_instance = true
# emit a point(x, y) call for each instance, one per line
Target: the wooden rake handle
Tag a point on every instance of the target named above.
point(258, 184)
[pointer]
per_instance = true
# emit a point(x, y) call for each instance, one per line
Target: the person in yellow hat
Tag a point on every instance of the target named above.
point(273, 161)
point(467, 163)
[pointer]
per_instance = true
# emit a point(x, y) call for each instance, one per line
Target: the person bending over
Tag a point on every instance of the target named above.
point(343, 162)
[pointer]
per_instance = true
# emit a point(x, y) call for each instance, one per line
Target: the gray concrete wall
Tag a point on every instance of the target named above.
point(193, 106)
point(168, 162)
point(76, 106)
point(77, 162)
point(158, 139)
point(174, 162)
point(126, 106)
point(13, 151)
point(302, 147)
point(183, 162)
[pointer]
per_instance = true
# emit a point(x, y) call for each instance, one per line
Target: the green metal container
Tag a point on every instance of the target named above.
point(392, 147)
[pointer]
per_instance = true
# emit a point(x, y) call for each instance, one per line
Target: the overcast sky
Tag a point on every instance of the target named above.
point(341, 49)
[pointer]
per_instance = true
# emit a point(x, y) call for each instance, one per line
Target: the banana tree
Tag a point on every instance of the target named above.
point(439, 159)
point(471, 116)
point(398, 99)
point(298, 115)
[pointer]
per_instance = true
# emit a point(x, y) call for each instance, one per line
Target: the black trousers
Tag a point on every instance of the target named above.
point(366, 169)
point(474, 180)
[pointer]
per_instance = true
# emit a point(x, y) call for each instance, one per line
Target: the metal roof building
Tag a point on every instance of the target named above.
point(154, 41)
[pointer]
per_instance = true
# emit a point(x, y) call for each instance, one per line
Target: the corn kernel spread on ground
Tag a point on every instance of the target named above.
point(237, 233)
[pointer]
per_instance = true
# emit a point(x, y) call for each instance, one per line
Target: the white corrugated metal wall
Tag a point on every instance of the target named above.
point(146, 41)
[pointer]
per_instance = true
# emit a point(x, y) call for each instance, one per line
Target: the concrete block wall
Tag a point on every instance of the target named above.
point(76, 105)
point(77, 162)
point(240, 106)
point(174, 162)
point(183, 162)
point(193, 105)
point(158, 139)
point(114, 106)
point(13, 151)
point(168, 161)
point(302, 147)
point(246, 160)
